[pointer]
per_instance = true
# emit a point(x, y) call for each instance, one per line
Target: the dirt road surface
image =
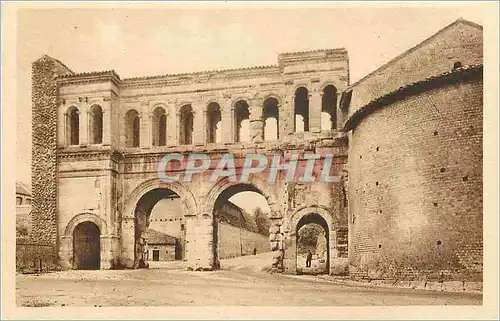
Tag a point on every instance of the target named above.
point(242, 281)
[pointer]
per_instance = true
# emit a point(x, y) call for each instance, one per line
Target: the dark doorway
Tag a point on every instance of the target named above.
point(156, 255)
point(86, 247)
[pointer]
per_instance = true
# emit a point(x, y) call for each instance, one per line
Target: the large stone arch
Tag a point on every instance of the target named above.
point(86, 217)
point(65, 254)
point(128, 235)
point(258, 182)
point(187, 197)
point(290, 258)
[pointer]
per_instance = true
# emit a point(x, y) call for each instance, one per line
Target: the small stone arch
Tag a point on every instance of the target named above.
point(179, 105)
point(322, 211)
point(331, 221)
point(256, 181)
point(327, 83)
point(239, 98)
point(159, 105)
point(299, 85)
point(72, 125)
point(278, 98)
point(211, 101)
point(86, 217)
point(187, 197)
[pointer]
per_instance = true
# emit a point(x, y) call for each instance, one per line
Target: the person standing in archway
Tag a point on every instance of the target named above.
point(309, 258)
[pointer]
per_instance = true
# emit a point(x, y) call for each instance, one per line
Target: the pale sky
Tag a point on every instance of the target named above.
point(153, 42)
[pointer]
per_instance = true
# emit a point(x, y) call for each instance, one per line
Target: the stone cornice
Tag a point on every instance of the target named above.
point(204, 76)
point(69, 155)
point(200, 77)
point(90, 78)
point(293, 58)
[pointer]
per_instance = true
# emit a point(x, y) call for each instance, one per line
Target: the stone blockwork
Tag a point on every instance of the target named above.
point(415, 162)
point(415, 190)
point(410, 196)
point(112, 181)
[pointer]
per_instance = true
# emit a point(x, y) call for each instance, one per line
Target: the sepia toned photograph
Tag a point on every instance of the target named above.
point(320, 157)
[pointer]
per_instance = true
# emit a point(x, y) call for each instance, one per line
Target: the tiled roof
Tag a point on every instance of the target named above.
point(91, 74)
point(453, 75)
point(22, 189)
point(155, 237)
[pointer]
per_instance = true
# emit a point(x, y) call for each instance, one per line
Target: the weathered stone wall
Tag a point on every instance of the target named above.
point(415, 184)
point(233, 241)
point(166, 252)
point(44, 157)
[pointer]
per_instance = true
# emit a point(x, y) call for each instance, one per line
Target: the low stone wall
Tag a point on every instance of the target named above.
point(232, 241)
point(32, 257)
point(23, 221)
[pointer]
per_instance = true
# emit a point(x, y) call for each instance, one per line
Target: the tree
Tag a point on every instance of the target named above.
point(262, 221)
point(308, 237)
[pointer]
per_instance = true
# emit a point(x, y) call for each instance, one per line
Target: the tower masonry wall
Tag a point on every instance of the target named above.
point(415, 187)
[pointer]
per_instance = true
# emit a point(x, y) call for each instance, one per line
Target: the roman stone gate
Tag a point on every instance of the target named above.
point(98, 140)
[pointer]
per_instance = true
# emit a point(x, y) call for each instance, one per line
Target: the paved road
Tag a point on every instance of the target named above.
point(241, 282)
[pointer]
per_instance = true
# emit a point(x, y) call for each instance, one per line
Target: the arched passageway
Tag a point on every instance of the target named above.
point(132, 128)
point(271, 119)
point(301, 107)
point(329, 108)
point(242, 122)
point(72, 126)
point(159, 232)
point(312, 249)
point(186, 125)
point(96, 125)
point(159, 127)
point(214, 121)
point(240, 223)
point(86, 247)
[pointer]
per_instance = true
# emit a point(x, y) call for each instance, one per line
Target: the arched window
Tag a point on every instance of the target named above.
point(186, 125)
point(271, 119)
point(301, 114)
point(95, 124)
point(329, 108)
point(72, 126)
point(159, 127)
point(214, 134)
point(242, 120)
point(133, 130)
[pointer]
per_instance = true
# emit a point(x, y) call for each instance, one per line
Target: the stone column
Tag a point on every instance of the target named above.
point(106, 125)
point(286, 117)
point(199, 131)
point(128, 242)
point(340, 114)
point(106, 252)
point(256, 121)
point(199, 242)
point(145, 126)
point(315, 99)
point(61, 127)
point(276, 239)
point(227, 122)
point(83, 125)
point(172, 126)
